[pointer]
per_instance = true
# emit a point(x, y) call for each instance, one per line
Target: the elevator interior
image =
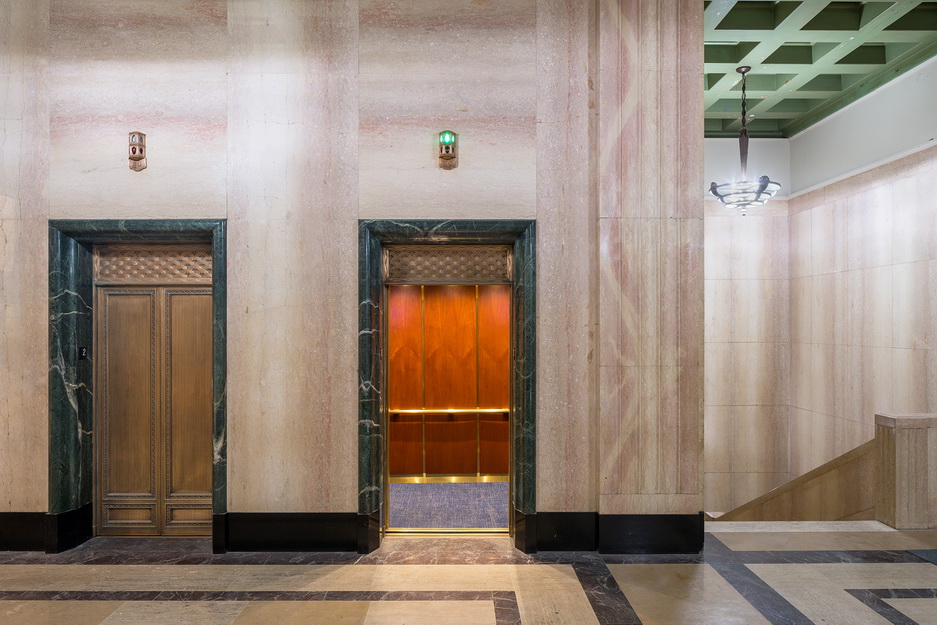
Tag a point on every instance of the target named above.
point(448, 406)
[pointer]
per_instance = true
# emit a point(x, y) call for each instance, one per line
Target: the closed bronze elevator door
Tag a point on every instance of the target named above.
point(153, 404)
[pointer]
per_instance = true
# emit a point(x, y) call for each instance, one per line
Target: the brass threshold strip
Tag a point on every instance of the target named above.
point(450, 411)
point(447, 479)
point(443, 531)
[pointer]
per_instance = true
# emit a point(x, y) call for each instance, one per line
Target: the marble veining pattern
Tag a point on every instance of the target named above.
point(71, 326)
point(372, 235)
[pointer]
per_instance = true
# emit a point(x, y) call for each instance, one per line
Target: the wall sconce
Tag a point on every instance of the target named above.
point(137, 151)
point(448, 149)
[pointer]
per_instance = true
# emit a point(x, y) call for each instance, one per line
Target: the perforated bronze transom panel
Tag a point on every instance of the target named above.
point(176, 264)
point(447, 264)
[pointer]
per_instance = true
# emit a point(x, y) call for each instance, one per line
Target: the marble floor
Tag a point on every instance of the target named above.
point(749, 573)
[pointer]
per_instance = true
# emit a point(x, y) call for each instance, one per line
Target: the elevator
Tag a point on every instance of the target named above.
point(153, 390)
point(448, 379)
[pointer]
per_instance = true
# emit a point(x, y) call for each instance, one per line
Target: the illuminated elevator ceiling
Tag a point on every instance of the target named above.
point(809, 59)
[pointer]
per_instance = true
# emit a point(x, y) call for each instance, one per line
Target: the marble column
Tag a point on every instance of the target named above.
point(24, 211)
point(650, 151)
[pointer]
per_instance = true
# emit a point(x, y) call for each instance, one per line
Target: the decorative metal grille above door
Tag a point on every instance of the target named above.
point(448, 264)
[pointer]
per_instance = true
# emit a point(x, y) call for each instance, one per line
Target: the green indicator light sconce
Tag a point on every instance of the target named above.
point(448, 149)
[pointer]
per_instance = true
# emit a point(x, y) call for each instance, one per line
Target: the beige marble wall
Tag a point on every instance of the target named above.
point(24, 209)
point(747, 354)
point(567, 276)
point(651, 261)
point(863, 284)
point(458, 65)
point(292, 249)
point(154, 66)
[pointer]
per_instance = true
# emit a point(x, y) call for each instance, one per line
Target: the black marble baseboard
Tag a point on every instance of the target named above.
point(67, 530)
point(289, 531)
point(567, 531)
point(525, 531)
point(22, 531)
point(219, 533)
point(369, 532)
point(650, 533)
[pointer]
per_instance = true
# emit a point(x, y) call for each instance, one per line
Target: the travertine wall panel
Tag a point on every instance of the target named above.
point(863, 278)
point(292, 292)
point(651, 261)
point(458, 65)
point(566, 273)
point(748, 353)
point(24, 179)
point(154, 66)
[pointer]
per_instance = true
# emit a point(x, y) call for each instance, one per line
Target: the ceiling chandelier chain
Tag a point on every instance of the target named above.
point(744, 193)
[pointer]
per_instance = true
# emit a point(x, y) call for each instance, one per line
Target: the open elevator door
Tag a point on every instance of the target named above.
point(448, 382)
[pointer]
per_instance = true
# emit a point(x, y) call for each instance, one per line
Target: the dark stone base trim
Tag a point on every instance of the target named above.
point(290, 531)
point(22, 531)
point(369, 532)
point(219, 533)
point(525, 531)
point(67, 530)
point(651, 533)
point(567, 531)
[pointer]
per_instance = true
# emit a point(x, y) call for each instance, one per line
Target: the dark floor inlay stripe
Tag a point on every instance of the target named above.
point(608, 602)
point(764, 598)
point(875, 600)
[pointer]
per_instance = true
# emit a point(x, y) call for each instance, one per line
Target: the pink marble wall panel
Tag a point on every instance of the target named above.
point(24, 209)
point(566, 272)
point(454, 65)
point(292, 323)
point(862, 312)
point(651, 266)
point(747, 312)
point(154, 66)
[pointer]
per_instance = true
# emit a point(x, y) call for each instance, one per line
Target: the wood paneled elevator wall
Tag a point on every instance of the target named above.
point(448, 351)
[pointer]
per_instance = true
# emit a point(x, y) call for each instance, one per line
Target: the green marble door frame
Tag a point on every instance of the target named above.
point(373, 235)
point(71, 394)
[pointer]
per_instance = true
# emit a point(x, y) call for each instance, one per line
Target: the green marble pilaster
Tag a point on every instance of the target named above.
point(70, 379)
point(373, 235)
point(71, 325)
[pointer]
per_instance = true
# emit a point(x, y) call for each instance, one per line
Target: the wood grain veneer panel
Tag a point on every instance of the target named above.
point(449, 346)
point(129, 397)
point(405, 445)
point(451, 444)
point(493, 452)
point(494, 345)
point(188, 415)
point(404, 348)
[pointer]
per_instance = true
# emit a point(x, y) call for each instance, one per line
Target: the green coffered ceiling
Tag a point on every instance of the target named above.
point(809, 59)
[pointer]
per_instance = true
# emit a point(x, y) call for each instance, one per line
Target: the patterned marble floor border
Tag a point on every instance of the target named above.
point(505, 602)
point(875, 600)
point(608, 602)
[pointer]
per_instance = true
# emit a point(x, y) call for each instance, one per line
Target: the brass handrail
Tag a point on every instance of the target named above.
point(450, 411)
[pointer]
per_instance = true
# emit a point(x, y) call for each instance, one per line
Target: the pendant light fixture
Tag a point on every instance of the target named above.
point(744, 193)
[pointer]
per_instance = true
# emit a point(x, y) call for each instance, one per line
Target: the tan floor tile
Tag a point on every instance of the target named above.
point(832, 541)
point(546, 607)
point(683, 594)
point(304, 613)
point(924, 611)
point(817, 589)
point(175, 613)
point(55, 612)
point(431, 613)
